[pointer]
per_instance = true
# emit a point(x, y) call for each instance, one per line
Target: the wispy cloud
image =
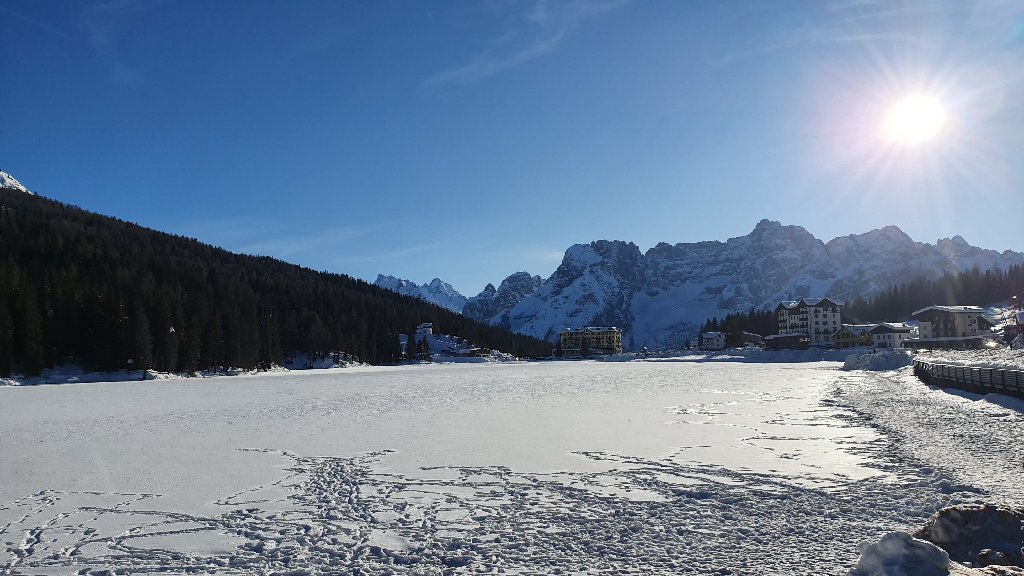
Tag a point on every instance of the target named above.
point(103, 25)
point(535, 31)
point(402, 252)
point(269, 237)
point(37, 23)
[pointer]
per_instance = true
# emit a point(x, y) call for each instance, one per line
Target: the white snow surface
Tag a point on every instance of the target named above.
point(8, 181)
point(633, 467)
point(1006, 358)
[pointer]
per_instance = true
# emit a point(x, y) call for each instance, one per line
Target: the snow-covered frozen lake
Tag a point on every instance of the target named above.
point(657, 467)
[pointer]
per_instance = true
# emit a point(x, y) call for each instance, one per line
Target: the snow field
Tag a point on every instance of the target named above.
point(570, 468)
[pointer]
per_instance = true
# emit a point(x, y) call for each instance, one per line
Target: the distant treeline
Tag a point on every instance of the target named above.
point(970, 288)
point(104, 294)
point(760, 322)
point(973, 287)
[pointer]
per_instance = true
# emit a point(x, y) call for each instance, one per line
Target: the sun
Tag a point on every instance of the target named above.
point(914, 120)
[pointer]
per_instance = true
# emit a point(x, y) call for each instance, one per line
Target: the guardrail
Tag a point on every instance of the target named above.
point(979, 380)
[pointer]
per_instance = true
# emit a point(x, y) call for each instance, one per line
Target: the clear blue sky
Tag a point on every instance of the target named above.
point(469, 140)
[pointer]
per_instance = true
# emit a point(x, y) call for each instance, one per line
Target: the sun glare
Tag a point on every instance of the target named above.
point(914, 119)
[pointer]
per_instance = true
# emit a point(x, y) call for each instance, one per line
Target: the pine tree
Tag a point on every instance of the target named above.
point(29, 333)
point(6, 339)
point(142, 340)
point(423, 350)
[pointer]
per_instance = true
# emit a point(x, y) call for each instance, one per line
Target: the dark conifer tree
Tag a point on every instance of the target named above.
point(28, 333)
point(6, 338)
point(142, 340)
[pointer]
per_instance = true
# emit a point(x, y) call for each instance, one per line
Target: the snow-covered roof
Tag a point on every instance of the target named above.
point(952, 309)
point(858, 329)
point(593, 329)
point(890, 327)
point(811, 302)
point(711, 335)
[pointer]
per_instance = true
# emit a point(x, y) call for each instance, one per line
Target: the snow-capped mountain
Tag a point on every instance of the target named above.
point(492, 304)
point(436, 292)
point(661, 296)
point(8, 181)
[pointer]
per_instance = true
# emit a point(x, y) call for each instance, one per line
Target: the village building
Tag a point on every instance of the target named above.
point(891, 335)
point(957, 327)
point(712, 341)
point(591, 341)
point(854, 335)
point(816, 318)
point(424, 329)
point(787, 342)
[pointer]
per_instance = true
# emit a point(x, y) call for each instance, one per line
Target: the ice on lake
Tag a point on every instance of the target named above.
point(572, 467)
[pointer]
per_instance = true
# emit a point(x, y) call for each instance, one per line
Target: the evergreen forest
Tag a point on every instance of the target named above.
point(105, 294)
point(970, 288)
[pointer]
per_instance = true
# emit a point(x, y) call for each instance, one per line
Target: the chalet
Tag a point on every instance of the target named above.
point(424, 329)
point(854, 335)
point(591, 341)
point(712, 341)
point(890, 335)
point(950, 327)
point(787, 342)
point(816, 318)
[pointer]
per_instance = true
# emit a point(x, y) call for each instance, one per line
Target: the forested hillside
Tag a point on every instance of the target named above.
point(973, 288)
point(77, 287)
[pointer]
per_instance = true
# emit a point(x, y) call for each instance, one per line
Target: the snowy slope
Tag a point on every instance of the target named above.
point(8, 181)
point(436, 292)
point(660, 297)
point(493, 304)
point(594, 282)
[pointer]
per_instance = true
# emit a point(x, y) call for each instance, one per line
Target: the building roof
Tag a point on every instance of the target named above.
point(707, 335)
point(858, 329)
point(891, 328)
point(951, 309)
point(592, 329)
point(809, 302)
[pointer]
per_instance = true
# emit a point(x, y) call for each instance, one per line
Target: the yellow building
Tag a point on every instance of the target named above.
point(591, 341)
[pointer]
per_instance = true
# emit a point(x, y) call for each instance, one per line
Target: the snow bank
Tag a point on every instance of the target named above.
point(969, 535)
point(996, 358)
point(878, 361)
point(900, 554)
point(980, 535)
point(753, 355)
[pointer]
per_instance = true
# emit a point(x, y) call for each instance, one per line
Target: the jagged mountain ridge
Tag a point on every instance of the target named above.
point(435, 292)
point(660, 297)
point(492, 304)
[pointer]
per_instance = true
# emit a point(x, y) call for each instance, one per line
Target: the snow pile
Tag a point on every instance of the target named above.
point(8, 181)
point(752, 355)
point(878, 361)
point(1005, 358)
point(979, 535)
point(900, 554)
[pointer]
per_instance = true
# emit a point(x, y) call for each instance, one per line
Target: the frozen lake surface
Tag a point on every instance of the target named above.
point(659, 467)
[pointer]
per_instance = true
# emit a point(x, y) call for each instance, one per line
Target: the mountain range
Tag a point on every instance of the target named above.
point(661, 296)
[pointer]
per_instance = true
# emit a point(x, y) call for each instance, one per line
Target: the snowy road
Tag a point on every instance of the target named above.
point(573, 468)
